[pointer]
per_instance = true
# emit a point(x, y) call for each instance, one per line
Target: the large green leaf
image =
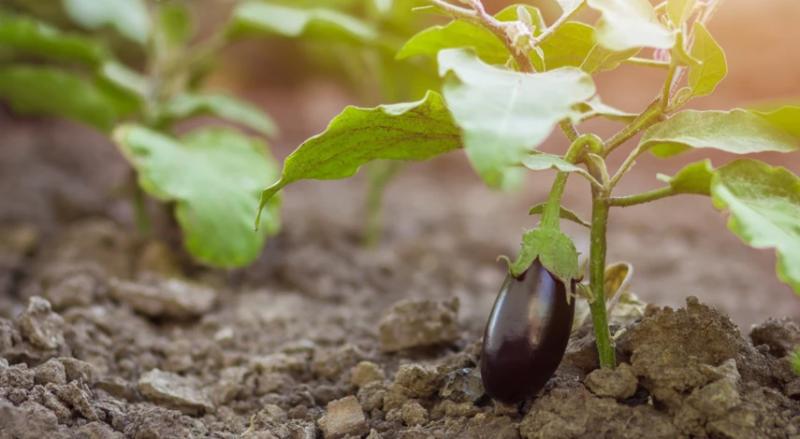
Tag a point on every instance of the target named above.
point(764, 206)
point(129, 17)
point(26, 36)
point(409, 131)
point(214, 176)
point(786, 118)
point(225, 107)
point(505, 114)
point(627, 24)
point(463, 34)
point(736, 131)
point(259, 18)
point(555, 251)
point(53, 92)
point(704, 77)
point(694, 178)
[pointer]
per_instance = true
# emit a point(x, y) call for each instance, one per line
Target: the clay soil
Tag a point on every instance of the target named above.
point(107, 334)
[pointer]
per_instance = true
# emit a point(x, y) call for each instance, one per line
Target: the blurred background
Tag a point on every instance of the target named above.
point(52, 171)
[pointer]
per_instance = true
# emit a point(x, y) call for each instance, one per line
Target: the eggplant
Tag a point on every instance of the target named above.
point(526, 335)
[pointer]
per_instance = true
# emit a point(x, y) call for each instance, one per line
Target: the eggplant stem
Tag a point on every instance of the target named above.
point(597, 267)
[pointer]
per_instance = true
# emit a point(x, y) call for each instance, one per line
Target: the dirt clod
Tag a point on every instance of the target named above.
point(416, 323)
point(343, 417)
point(782, 336)
point(173, 298)
point(619, 383)
point(41, 326)
point(366, 372)
point(174, 391)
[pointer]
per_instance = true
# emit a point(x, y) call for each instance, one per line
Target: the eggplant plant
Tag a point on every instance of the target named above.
point(508, 81)
point(134, 70)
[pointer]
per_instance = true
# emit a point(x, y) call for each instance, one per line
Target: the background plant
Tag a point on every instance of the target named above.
point(511, 78)
point(135, 70)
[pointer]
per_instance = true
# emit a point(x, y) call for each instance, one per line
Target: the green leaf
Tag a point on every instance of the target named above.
point(259, 18)
point(129, 17)
point(764, 206)
point(409, 131)
point(679, 11)
point(123, 78)
point(26, 36)
point(541, 161)
point(225, 107)
point(628, 24)
point(704, 77)
point(565, 213)
point(694, 178)
point(50, 91)
point(795, 359)
point(463, 34)
point(568, 46)
point(601, 59)
point(596, 107)
point(554, 250)
point(736, 131)
point(786, 118)
point(505, 114)
point(214, 176)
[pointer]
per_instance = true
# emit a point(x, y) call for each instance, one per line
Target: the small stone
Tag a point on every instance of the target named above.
point(40, 325)
point(463, 385)
point(79, 370)
point(366, 372)
point(619, 383)
point(413, 413)
point(416, 381)
point(174, 391)
point(171, 298)
point(415, 323)
point(343, 417)
point(373, 434)
point(50, 372)
point(278, 362)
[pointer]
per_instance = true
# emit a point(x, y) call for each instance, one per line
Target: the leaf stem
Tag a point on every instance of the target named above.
point(597, 267)
point(649, 116)
point(646, 62)
point(566, 16)
point(552, 211)
point(477, 14)
point(644, 197)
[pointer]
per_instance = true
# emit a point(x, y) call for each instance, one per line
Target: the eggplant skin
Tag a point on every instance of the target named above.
point(526, 335)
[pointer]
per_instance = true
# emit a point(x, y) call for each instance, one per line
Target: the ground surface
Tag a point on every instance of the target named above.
point(104, 334)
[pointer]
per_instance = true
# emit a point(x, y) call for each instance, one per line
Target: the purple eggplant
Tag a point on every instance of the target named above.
point(526, 335)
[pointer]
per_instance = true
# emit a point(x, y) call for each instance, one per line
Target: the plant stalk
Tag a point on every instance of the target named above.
point(597, 267)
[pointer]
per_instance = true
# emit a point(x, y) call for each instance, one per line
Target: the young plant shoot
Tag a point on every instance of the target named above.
point(508, 81)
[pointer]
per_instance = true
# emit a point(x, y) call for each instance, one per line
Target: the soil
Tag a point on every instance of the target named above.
point(106, 334)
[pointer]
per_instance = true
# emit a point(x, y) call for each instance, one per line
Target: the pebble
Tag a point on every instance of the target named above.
point(416, 381)
point(40, 325)
point(174, 391)
point(343, 417)
point(172, 298)
point(416, 323)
